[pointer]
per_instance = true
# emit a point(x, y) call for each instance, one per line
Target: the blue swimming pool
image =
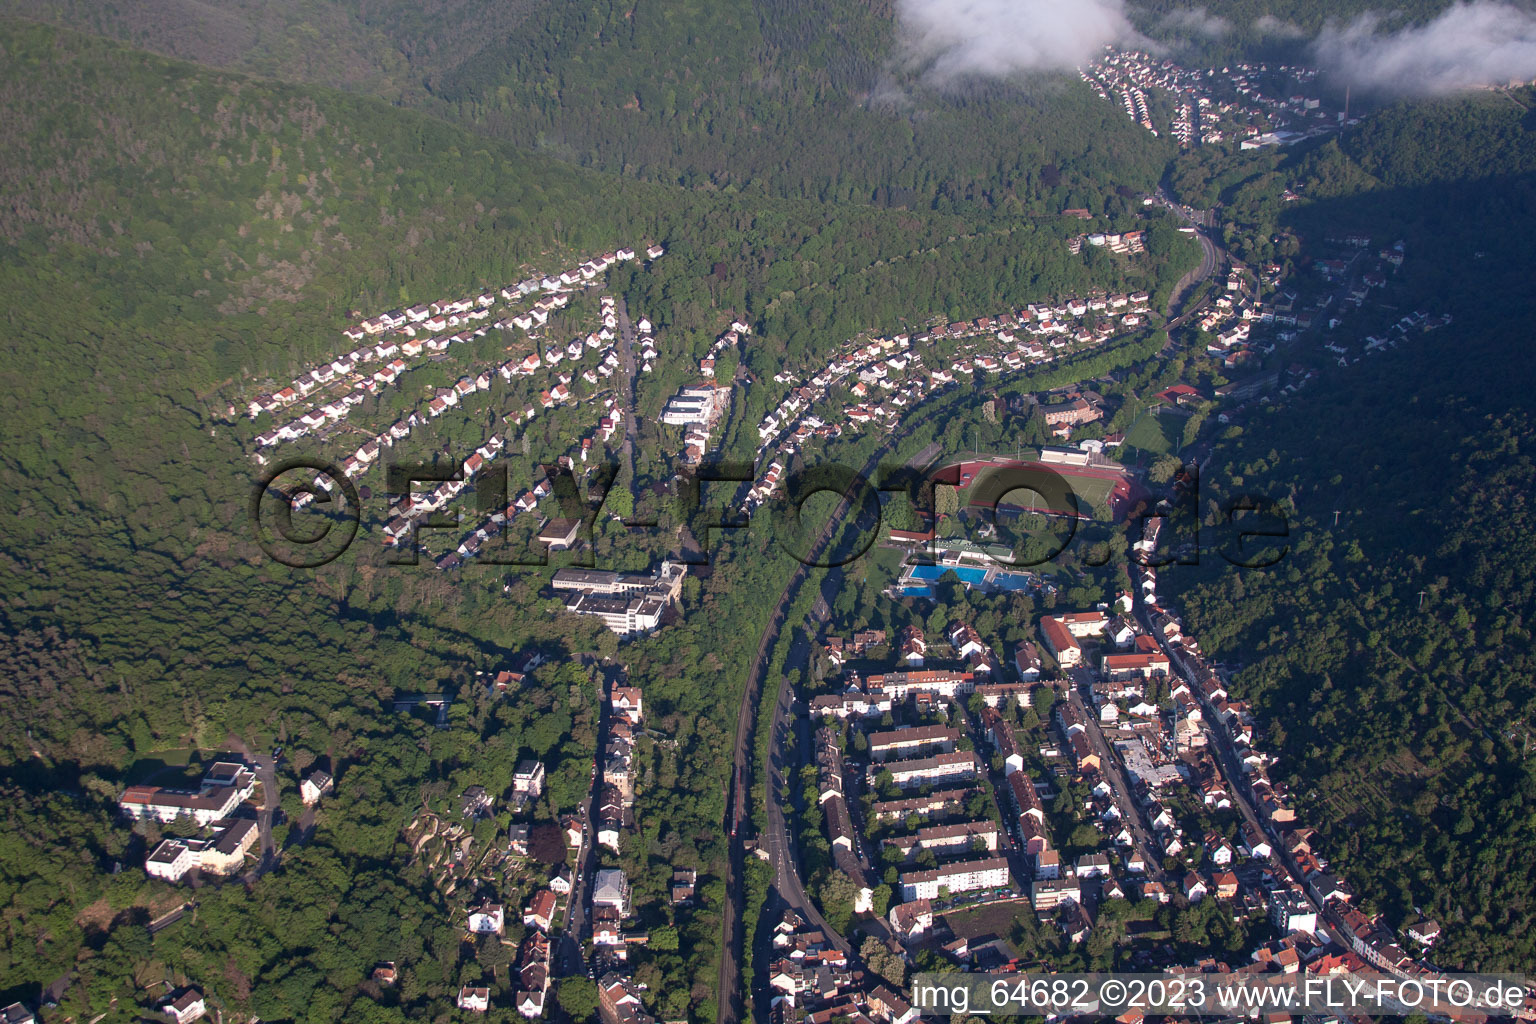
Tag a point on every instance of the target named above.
point(1012, 581)
point(916, 591)
point(970, 574)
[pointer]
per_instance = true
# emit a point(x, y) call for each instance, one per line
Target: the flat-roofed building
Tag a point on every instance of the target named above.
point(958, 766)
point(560, 534)
point(960, 837)
point(904, 743)
point(1049, 893)
point(963, 876)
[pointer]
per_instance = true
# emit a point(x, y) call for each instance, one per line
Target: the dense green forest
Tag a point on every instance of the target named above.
point(793, 99)
point(1274, 30)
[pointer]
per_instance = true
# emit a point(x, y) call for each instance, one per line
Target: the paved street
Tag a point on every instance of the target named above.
point(1211, 255)
point(1227, 762)
point(1109, 760)
point(572, 962)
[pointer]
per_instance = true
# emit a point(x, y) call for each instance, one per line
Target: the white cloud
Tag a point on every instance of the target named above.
point(1469, 45)
point(1269, 25)
point(1196, 21)
point(955, 38)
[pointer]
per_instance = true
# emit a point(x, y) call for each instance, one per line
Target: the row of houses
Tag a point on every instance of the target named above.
point(731, 338)
point(557, 534)
point(410, 508)
point(887, 376)
point(351, 367)
point(841, 833)
point(402, 344)
point(616, 789)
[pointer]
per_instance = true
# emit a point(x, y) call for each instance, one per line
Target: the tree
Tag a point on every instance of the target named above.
point(184, 826)
point(880, 899)
point(546, 843)
point(492, 953)
point(577, 997)
point(838, 897)
point(946, 500)
point(1164, 469)
point(882, 961)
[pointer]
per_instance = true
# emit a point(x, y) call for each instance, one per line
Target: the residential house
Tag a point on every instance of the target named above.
point(528, 781)
point(487, 919)
point(683, 882)
point(186, 1006)
point(314, 787)
point(912, 920)
point(541, 912)
point(517, 838)
point(611, 889)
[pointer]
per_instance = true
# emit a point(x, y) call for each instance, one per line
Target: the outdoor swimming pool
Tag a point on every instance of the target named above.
point(1012, 581)
point(971, 575)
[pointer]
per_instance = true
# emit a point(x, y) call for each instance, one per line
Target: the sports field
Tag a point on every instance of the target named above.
point(1091, 487)
point(1157, 432)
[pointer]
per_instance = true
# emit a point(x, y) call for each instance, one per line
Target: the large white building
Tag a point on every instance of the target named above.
point(957, 838)
point(626, 602)
point(956, 766)
point(900, 743)
point(611, 889)
point(225, 786)
point(221, 854)
point(695, 406)
point(965, 876)
point(932, 682)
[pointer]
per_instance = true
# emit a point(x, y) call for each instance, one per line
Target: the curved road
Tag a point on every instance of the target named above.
point(1211, 254)
point(787, 883)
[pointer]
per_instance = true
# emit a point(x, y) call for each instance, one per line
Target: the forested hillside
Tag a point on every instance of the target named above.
point(382, 49)
point(784, 106)
point(1392, 654)
point(783, 97)
point(1392, 651)
point(1271, 29)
